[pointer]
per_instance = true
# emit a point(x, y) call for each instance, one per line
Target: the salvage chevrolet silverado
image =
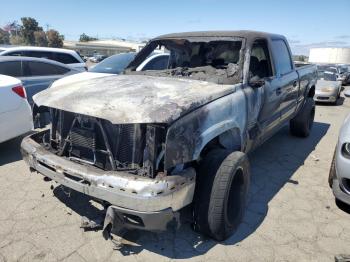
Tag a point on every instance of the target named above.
point(152, 144)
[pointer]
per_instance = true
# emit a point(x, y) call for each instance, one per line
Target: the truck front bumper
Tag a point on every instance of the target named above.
point(152, 203)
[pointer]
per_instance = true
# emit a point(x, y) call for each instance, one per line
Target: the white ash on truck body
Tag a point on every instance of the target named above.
point(154, 143)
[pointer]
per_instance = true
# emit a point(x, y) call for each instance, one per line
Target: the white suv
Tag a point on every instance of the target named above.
point(65, 56)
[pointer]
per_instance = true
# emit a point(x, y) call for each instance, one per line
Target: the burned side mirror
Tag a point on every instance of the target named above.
point(347, 93)
point(256, 83)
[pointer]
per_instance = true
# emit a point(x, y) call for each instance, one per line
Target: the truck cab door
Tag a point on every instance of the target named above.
point(288, 79)
point(260, 69)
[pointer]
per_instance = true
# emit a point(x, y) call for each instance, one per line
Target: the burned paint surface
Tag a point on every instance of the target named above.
point(188, 136)
point(117, 187)
point(133, 98)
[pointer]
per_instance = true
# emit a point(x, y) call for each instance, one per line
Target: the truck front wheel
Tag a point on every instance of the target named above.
point(221, 193)
point(302, 123)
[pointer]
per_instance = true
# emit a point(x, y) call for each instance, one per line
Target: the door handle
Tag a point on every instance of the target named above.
point(295, 83)
point(278, 91)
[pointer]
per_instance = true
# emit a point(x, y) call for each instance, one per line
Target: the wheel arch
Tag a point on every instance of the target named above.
point(230, 139)
point(311, 91)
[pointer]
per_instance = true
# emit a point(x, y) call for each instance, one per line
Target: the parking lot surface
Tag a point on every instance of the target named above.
point(291, 215)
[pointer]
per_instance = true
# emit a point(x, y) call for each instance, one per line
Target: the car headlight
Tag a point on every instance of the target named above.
point(346, 150)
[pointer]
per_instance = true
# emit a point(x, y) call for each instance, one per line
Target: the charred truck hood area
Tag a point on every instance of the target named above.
point(132, 98)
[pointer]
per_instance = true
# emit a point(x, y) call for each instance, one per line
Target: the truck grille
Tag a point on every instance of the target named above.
point(126, 143)
point(98, 142)
point(83, 138)
point(83, 144)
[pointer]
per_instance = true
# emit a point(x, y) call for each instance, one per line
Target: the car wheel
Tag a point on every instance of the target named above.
point(302, 123)
point(332, 172)
point(221, 193)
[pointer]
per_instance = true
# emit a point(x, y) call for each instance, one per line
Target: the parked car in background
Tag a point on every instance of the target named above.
point(328, 88)
point(15, 113)
point(340, 71)
point(154, 144)
point(97, 58)
point(65, 56)
point(116, 64)
point(36, 74)
point(339, 175)
point(346, 69)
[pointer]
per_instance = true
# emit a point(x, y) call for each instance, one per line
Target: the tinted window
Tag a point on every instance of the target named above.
point(11, 68)
point(282, 59)
point(114, 64)
point(65, 58)
point(38, 54)
point(158, 63)
point(14, 53)
point(43, 69)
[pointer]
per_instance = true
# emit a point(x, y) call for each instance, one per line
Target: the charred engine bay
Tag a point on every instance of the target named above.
point(134, 148)
point(218, 74)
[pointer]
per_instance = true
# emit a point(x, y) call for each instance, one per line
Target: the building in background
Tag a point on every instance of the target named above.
point(330, 55)
point(103, 47)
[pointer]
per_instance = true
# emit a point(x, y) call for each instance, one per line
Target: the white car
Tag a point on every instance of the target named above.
point(15, 113)
point(115, 65)
point(65, 56)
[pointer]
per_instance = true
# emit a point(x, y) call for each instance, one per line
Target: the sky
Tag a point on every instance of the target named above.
point(306, 24)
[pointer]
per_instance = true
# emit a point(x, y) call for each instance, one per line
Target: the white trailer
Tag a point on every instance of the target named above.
point(330, 55)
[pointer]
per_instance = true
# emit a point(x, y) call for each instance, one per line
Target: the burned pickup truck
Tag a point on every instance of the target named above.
point(155, 143)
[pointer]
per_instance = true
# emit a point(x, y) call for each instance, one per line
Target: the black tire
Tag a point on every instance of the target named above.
point(221, 193)
point(332, 173)
point(301, 124)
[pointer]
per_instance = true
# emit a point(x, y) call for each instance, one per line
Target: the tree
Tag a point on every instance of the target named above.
point(40, 38)
point(16, 40)
point(29, 26)
point(85, 38)
point(54, 39)
point(4, 37)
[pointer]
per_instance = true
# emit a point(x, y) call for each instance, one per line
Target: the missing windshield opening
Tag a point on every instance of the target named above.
point(212, 61)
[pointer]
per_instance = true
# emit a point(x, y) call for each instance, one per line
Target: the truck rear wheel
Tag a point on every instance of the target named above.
point(221, 193)
point(301, 124)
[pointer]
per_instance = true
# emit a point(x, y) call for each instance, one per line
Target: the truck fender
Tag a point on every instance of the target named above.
point(224, 118)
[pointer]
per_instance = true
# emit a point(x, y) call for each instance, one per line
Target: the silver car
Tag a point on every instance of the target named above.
point(339, 175)
point(327, 88)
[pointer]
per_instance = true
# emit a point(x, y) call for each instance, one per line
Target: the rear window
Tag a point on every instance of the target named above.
point(14, 53)
point(282, 58)
point(44, 69)
point(38, 54)
point(65, 58)
point(11, 68)
point(59, 57)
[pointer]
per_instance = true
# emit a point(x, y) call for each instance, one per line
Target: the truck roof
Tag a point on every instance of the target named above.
point(248, 34)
